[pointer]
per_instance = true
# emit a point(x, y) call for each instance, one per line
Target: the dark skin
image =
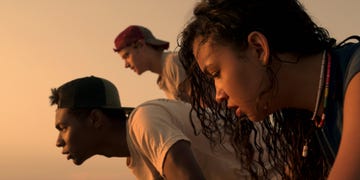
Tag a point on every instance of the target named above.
point(110, 141)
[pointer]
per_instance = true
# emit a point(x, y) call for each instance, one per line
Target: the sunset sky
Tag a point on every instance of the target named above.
point(45, 43)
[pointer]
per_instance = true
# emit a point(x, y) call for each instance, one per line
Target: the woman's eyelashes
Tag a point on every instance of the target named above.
point(215, 74)
point(212, 74)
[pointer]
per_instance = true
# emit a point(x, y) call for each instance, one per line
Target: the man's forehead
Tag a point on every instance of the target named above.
point(124, 50)
point(61, 110)
point(60, 113)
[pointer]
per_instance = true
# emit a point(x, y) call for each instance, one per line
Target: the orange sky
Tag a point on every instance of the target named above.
point(44, 43)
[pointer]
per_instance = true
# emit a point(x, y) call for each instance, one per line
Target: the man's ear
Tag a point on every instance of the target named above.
point(96, 118)
point(139, 43)
point(259, 42)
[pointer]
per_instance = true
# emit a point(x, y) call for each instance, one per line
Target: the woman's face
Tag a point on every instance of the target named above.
point(239, 77)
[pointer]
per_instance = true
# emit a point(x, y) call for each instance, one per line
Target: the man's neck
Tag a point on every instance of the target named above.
point(157, 62)
point(116, 144)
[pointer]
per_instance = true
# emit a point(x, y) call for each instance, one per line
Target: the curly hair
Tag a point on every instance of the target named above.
point(288, 28)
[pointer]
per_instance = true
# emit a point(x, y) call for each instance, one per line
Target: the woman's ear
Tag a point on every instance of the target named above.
point(259, 42)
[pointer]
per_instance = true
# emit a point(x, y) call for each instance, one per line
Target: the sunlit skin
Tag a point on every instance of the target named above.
point(231, 74)
point(81, 139)
point(297, 88)
point(240, 78)
point(140, 58)
point(133, 59)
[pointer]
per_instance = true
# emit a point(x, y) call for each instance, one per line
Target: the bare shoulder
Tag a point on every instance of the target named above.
point(348, 158)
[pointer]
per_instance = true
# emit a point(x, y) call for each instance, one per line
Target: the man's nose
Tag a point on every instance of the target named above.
point(60, 142)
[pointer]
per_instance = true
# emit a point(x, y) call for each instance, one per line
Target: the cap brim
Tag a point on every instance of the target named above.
point(158, 42)
point(127, 110)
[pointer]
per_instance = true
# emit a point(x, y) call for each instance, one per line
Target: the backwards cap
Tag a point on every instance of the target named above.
point(134, 33)
point(89, 92)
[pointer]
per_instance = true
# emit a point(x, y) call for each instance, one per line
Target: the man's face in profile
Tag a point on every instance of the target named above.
point(76, 136)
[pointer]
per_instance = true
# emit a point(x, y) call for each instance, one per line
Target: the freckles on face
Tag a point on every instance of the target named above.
point(236, 75)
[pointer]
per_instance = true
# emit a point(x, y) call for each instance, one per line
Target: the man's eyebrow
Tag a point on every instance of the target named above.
point(126, 53)
point(57, 126)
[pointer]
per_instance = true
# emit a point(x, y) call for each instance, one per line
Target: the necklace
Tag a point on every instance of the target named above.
point(320, 88)
point(326, 92)
point(322, 93)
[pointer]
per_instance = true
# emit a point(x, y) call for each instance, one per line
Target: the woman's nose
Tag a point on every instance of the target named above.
point(220, 95)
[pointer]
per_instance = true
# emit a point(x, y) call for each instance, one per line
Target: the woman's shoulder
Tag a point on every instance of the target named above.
point(348, 58)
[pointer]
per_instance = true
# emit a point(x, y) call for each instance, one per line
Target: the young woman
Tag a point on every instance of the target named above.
point(257, 58)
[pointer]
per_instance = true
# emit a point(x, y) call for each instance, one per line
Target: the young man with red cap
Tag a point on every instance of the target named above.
point(142, 51)
point(158, 138)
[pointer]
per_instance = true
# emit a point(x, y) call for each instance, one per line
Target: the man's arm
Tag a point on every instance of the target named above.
point(180, 163)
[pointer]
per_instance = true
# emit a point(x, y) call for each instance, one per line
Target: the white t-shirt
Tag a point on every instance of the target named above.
point(154, 126)
point(171, 80)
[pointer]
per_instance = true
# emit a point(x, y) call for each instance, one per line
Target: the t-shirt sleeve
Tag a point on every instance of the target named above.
point(153, 131)
point(176, 74)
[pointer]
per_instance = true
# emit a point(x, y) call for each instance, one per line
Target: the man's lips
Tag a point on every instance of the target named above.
point(68, 155)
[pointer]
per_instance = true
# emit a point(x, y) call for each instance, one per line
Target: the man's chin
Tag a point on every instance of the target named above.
point(140, 72)
point(78, 162)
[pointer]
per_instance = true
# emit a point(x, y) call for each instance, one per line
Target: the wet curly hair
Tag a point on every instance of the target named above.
point(288, 28)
